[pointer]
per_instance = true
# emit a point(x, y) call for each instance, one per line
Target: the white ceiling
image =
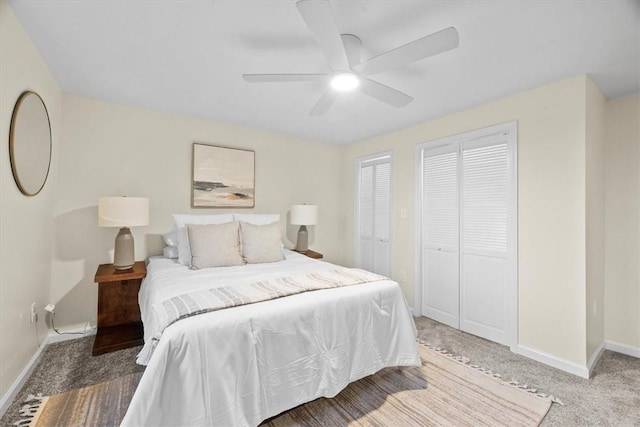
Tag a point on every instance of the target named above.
point(188, 56)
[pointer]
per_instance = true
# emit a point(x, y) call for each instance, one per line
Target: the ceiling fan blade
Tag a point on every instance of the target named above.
point(318, 16)
point(276, 78)
point(353, 48)
point(384, 93)
point(424, 47)
point(323, 104)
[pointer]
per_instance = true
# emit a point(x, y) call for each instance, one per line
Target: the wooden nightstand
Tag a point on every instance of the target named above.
point(312, 254)
point(119, 324)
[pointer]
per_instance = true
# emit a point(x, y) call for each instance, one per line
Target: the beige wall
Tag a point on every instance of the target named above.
point(50, 244)
point(551, 167)
point(110, 149)
point(595, 221)
point(622, 171)
point(26, 223)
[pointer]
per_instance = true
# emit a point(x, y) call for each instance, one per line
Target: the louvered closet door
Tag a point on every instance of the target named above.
point(484, 299)
point(467, 201)
point(440, 223)
point(374, 215)
point(365, 218)
point(382, 220)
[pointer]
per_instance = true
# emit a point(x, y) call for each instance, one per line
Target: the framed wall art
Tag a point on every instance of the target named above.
point(222, 177)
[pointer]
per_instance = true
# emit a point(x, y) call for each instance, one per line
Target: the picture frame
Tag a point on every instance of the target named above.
point(222, 177)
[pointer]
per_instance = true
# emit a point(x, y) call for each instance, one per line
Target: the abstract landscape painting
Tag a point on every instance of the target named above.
point(222, 177)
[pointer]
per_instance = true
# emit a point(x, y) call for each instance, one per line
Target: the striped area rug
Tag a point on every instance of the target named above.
point(102, 404)
point(445, 391)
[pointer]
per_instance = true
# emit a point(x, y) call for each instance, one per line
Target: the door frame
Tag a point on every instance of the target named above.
point(356, 201)
point(512, 208)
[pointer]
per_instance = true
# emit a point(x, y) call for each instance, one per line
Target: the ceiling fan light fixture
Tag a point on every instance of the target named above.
point(345, 81)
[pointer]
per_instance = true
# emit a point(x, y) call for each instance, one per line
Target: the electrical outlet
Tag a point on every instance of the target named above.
point(33, 315)
point(403, 276)
point(403, 213)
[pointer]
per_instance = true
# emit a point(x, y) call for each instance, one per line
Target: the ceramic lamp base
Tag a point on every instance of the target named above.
point(123, 255)
point(303, 240)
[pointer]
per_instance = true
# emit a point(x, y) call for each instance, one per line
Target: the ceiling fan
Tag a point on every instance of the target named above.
point(343, 54)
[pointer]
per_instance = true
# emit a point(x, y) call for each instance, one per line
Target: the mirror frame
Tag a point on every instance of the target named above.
point(12, 142)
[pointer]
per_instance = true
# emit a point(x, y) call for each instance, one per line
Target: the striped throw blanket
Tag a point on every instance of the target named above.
point(205, 301)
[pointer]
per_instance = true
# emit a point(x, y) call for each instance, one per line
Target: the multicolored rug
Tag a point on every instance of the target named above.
point(101, 404)
point(445, 390)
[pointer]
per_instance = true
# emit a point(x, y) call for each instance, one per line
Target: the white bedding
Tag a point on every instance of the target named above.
point(239, 366)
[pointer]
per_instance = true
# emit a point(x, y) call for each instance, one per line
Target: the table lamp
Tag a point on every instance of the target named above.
point(123, 212)
point(303, 215)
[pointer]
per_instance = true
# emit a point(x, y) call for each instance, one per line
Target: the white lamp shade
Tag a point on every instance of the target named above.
point(123, 211)
point(304, 215)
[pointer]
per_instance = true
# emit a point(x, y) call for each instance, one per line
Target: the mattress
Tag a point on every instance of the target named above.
point(242, 365)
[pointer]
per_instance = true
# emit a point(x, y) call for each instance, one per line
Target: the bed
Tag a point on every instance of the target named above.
point(242, 365)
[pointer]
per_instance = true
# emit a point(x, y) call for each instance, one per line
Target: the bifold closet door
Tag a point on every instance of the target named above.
point(440, 235)
point(373, 252)
point(468, 210)
point(484, 284)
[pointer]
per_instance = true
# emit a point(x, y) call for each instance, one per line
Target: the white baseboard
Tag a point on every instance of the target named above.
point(595, 357)
point(622, 348)
point(553, 361)
point(70, 333)
point(11, 393)
point(53, 337)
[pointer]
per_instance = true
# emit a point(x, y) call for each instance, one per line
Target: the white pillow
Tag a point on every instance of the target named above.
point(170, 252)
point(261, 243)
point(214, 245)
point(256, 219)
point(181, 220)
point(171, 238)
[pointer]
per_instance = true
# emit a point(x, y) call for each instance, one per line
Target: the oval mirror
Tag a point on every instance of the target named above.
point(30, 143)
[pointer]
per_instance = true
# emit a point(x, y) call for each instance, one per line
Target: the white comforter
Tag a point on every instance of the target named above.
point(242, 365)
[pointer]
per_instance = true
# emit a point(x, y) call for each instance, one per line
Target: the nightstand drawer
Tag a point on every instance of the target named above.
point(118, 302)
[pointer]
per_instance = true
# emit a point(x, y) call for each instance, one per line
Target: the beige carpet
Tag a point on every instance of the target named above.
point(444, 391)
